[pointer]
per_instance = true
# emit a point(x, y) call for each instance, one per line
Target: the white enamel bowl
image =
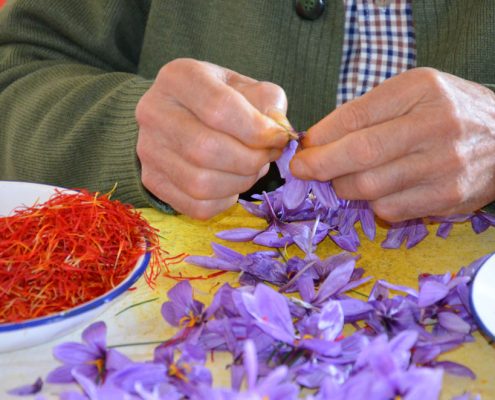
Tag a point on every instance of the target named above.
point(483, 297)
point(15, 336)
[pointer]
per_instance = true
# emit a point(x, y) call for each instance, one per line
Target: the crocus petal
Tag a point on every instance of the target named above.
point(325, 194)
point(455, 369)
point(182, 294)
point(422, 384)
point(271, 312)
point(74, 353)
point(212, 263)
point(444, 229)
point(238, 234)
point(430, 292)
point(272, 239)
point(96, 334)
point(399, 288)
point(284, 159)
point(417, 232)
point(331, 321)
point(250, 363)
point(335, 280)
point(294, 193)
point(479, 224)
point(27, 390)
point(453, 322)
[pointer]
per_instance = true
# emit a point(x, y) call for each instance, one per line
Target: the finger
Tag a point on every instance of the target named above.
point(209, 149)
point(360, 150)
point(413, 170)
point(391, 99)
point(218, 104)
point(416, 202)
point(203, 184)
point(185, 204)
point(265, 96)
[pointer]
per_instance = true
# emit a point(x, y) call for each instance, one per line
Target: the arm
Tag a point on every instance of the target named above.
point(68, 92)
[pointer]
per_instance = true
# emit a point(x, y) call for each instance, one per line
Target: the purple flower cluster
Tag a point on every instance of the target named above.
point(322, 340)
point(300, 202)
point(295, 328)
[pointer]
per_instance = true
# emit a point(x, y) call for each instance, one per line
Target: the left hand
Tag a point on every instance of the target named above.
point(422, 143)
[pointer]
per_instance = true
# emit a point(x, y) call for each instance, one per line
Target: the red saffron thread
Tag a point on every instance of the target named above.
point(74, 247)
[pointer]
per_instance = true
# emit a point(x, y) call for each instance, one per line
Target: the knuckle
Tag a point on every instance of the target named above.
point(367, 151)
point(454, 194)
point(273, 94)
point(175, 66)
point(144, 110)
point(367, 185)
point(200, 186)
point(252, 164)
point(353, 116)
point(215, 112)
point(201, 151)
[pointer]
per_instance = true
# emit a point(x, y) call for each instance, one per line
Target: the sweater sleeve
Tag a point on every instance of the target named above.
point(68, 92)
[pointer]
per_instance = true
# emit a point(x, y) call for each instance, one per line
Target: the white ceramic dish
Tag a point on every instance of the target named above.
point(483, 297)
point(15, 336)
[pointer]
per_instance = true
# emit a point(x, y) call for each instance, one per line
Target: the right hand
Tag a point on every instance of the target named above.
point(205, 135)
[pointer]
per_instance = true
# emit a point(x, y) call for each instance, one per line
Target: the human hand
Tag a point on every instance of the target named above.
point(420, 144)
point(204, 135)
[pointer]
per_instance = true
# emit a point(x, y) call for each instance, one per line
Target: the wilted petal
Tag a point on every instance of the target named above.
point(479, 224)
point(455, 369)
point(444, 229)
point(27, 390)
point(417, 232)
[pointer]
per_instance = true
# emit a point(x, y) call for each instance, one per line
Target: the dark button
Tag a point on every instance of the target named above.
point(310, 9)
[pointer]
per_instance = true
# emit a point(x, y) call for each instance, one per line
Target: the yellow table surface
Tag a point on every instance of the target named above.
point(183, 235)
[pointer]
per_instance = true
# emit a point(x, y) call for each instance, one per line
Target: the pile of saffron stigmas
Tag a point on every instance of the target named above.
point(67, 251)
point(295, 327)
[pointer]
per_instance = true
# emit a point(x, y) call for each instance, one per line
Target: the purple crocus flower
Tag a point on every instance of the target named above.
point(91, 359)
point(182, 309)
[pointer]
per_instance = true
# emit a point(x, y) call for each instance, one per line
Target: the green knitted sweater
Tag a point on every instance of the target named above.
point(72, 71)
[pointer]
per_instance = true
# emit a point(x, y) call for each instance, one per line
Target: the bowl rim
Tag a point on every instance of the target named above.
point(132, 278)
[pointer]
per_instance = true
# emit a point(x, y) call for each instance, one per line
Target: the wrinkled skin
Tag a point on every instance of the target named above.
point(421, 143)
point(206, 134)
